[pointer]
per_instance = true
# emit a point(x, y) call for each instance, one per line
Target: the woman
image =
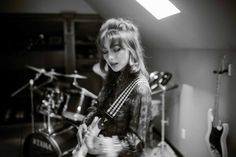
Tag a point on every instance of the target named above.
point(121, 59)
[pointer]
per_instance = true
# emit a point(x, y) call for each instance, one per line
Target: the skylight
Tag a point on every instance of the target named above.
point(159, 8)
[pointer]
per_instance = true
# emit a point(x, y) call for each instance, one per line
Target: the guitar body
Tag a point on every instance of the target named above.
point(92, 143)
point(88, 141)
point(216, 137)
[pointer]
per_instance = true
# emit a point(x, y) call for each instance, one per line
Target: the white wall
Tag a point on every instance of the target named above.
point(187, 106)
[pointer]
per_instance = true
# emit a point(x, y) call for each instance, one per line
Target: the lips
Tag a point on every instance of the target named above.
point(113, 64)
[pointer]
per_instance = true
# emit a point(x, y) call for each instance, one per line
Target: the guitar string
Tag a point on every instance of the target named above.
point(125, 94)
point(122, 101)
point(114, 103)
point(119, 104)
point(218, 80)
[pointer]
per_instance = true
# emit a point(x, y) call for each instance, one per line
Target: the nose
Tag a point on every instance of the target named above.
point(110, 56)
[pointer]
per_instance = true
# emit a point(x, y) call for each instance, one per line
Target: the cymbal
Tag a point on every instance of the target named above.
point(75, 76)
point(52, 72)
point(167, 89)
point(83, 91)
point(40, 70)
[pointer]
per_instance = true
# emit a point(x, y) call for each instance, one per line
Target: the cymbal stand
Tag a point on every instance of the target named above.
point(46, 82)
point(49, 126)
point(162, 144)
point(31, 84)
point(75, 84)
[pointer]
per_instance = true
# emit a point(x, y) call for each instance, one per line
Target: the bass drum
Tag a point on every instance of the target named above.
point(58, 144)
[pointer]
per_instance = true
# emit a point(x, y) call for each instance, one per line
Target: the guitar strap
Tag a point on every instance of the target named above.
point(118, 103)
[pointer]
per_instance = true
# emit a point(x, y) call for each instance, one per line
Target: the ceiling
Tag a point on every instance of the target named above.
point(202, 24)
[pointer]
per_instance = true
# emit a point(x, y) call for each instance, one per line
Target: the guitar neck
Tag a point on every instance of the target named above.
point(220, 72)
point(217, 101)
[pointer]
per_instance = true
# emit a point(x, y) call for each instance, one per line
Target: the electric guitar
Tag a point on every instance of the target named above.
point(217, 131)
point(93, 143)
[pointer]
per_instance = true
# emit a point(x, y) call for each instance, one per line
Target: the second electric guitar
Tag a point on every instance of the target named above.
point(217, 131)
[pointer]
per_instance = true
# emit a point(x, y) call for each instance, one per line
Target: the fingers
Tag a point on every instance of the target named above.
point(81, 131)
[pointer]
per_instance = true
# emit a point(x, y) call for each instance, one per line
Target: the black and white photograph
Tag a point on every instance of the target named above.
point(118, 78)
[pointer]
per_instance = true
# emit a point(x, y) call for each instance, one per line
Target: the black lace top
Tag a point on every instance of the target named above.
point(131, 122)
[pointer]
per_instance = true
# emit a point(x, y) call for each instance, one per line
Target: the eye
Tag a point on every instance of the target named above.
point(116, 48)
point(105, 52)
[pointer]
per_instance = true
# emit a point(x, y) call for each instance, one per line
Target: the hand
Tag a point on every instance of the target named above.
point(105, 146)
point(81, 132)
point(111, 146)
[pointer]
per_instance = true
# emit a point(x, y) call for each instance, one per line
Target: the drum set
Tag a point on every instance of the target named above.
point(62, 108)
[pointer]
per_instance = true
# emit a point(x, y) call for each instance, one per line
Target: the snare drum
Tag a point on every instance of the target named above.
point(78, 101)
point(58, 144)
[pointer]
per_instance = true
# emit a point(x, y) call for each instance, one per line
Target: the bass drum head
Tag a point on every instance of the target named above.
point(58, 144)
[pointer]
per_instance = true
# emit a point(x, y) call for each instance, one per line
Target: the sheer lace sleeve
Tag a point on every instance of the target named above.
point(140, 112)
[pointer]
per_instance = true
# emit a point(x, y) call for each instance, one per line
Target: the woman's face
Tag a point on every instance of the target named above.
point(116, 56)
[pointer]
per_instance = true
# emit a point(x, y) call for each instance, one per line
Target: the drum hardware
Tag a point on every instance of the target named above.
point(75, 75)
point(51, 78)
point(159, 82)
point(31, 86)
point(85, 91)
point(51, 106)
point(78, 101)
point(159, 91)
point(57, 104)
point(52, 74)
point(43, 71)
point(48, 125)
point(57, 144)
point(39, 70)
point(31, 81)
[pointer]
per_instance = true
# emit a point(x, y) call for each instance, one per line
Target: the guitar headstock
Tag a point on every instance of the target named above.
point(223, 67)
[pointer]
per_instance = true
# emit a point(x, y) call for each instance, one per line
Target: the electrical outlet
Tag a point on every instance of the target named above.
point(183, 133)
point(229, 69)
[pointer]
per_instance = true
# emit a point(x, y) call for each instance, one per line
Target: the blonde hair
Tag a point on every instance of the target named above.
point(127, 34)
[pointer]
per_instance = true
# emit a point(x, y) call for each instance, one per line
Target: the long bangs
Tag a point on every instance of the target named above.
point(110, 38)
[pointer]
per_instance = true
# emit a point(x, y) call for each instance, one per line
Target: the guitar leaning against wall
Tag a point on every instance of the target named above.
point(217, 130)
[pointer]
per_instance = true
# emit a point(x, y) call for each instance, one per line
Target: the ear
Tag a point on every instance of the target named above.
point(131, 60)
